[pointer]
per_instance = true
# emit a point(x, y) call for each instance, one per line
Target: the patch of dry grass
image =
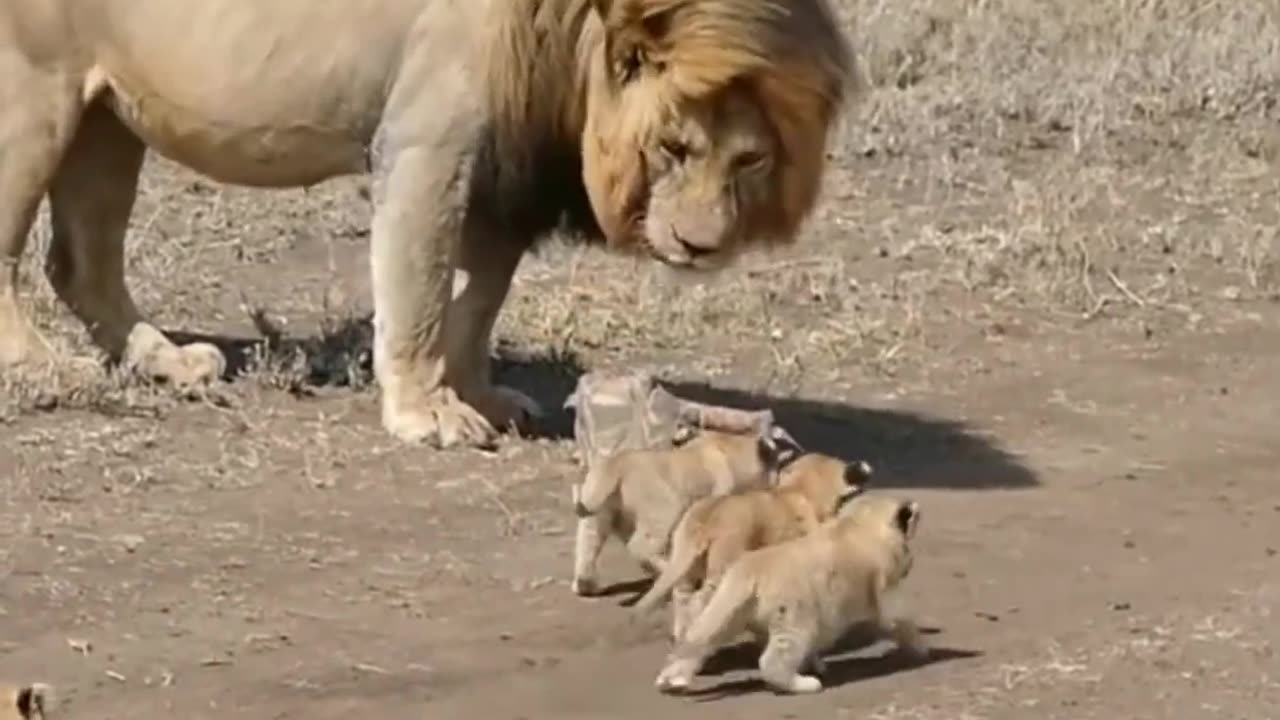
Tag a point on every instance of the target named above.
point(957, 72)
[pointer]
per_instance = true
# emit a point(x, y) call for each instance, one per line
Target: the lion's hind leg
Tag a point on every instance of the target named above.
point(38, 113)
point(91, 197)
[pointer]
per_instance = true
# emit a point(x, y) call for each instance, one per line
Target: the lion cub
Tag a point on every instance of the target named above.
point(715, 531)
point(802, 595)
point(640, 494)
point(25, 703)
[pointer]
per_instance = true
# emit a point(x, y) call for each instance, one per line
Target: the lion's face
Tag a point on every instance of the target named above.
point(706, 124)
point(710, 172)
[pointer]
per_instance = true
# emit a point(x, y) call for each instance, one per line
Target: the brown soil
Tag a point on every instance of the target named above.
point(1039, 297)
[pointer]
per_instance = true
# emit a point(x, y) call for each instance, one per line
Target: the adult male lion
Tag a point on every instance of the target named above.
point(686, 129)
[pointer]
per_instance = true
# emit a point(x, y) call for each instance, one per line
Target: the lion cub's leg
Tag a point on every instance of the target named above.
point(789, 650)
point(593, 530)
point(906, 636)
point(683, 611)
point(648, 548)
point(38, 111)
point(486, 262)
point(91, 198)
point(695, 602)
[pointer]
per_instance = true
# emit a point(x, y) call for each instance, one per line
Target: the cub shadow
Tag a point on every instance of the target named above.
point(906, 449)
point(847, 662)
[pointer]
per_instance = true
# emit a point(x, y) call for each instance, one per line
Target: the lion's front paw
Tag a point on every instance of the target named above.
point(443, 420)
point(504, 407)
point(150, 354)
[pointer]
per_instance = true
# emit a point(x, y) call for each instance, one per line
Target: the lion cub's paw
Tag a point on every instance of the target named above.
point(801, 685)
point(444, 421)
point(817, 666)
point(910, 643)
point(586, 587)
point(675, 678)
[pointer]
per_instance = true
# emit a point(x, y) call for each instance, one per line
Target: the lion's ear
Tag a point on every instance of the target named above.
point(634, 40)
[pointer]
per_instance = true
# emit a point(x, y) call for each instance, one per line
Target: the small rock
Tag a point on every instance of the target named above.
point(131, 543)
point(1120, 606)
point(990, 617)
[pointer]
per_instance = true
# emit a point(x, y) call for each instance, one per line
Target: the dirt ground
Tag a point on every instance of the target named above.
point(1040, 296)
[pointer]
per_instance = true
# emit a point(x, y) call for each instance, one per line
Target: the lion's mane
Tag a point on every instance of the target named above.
point(551, 60)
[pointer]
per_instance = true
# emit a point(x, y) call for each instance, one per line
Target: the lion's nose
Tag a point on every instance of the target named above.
point(693, 249)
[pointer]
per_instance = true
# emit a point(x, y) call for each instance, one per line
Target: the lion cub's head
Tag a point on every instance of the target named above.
point(707, 122)
point(893, 516)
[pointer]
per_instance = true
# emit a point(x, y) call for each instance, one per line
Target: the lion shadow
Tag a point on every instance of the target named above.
point(846, 662)
point(907, 449)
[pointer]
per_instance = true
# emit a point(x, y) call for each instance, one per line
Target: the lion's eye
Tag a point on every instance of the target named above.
point(749, 160)
point(675, 150)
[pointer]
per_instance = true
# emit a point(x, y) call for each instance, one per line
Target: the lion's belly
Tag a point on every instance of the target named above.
point(283, 93)
point(241, 152)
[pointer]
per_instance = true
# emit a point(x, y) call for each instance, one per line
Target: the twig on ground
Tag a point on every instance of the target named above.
point(1124, 289)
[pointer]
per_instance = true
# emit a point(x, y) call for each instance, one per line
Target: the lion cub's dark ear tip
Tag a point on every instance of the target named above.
point(908, 514)
point(859, 471)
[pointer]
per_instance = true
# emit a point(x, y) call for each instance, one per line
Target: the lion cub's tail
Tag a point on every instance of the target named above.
point(601, 482)
point(687, 547)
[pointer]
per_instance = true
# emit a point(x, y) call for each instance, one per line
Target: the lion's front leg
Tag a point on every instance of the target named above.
point(419, 195)
point(486, 262)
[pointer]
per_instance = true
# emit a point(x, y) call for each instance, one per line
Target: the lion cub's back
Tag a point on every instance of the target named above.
point(719, 464)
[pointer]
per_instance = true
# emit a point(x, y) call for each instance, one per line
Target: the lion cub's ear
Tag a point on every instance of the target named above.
point(683, 433)
point(858, 474)
point(907, 517)
point(32, 700)
point(777, 448)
